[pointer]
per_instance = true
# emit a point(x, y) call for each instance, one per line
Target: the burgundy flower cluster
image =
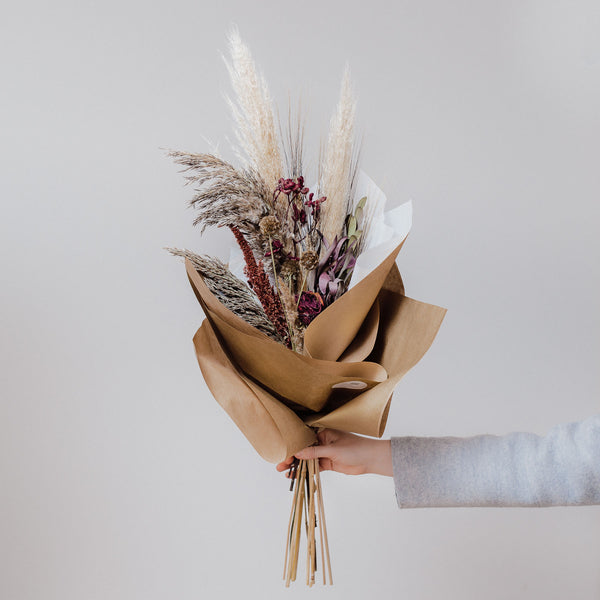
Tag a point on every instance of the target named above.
point(304, 207)
point(310, 305)
point(291, 186)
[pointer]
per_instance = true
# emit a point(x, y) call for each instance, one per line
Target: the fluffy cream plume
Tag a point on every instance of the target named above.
point(338, 168)
point(253, 113)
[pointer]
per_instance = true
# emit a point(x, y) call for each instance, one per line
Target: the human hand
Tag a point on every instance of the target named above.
point(347, 453)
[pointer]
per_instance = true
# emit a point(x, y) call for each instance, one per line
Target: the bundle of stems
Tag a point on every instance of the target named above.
point(307, 505)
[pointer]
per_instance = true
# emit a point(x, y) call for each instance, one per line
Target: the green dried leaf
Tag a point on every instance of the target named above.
point(351, 225)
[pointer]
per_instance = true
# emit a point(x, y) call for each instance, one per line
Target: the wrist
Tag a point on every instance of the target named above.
point(381, 458)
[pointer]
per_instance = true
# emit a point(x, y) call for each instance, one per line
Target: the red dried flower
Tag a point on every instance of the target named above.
point(259, 282)
point(277, 248)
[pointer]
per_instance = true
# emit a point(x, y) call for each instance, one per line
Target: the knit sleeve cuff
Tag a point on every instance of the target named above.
point(446, 471)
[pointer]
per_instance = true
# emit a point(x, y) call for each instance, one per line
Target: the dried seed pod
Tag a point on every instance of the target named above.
point(290, 268)
point(269, 225)
point(309, 260)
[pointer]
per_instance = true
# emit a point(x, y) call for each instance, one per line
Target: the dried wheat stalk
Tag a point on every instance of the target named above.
point(233, 293)
point(293, 140)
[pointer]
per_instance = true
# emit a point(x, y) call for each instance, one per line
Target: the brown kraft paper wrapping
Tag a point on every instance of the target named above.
point(363, 344)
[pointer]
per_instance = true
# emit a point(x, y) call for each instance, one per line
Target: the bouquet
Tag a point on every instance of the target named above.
point(308, 325)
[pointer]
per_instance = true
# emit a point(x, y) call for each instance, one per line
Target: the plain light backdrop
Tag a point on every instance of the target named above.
point(121, 478)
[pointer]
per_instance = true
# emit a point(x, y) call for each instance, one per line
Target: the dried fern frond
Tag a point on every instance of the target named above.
point(338, 171)
point(226, 196)
point(233, 293)
point(253, 113)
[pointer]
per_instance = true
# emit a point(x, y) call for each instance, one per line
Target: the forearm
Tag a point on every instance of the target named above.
point(518, 469)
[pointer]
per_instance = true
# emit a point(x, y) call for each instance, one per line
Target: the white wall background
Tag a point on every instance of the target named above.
point(121, 477)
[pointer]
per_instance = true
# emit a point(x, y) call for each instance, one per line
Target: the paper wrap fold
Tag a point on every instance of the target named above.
point(356, 351)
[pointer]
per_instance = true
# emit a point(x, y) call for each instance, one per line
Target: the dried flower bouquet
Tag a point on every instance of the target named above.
point(322, 332)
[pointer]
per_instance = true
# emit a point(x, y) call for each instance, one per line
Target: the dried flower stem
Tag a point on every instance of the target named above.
point(304, 278)
point(279, 293)
point(291, 315)
point(308, 503)
point(273, 264)
point(323, 524)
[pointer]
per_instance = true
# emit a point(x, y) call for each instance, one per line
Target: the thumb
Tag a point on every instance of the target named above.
point(314, 452)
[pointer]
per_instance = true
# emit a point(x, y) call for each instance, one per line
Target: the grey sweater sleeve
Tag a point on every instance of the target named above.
point(519, 469)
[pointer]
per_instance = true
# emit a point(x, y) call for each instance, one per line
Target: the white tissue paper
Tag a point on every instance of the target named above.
point(387, 229)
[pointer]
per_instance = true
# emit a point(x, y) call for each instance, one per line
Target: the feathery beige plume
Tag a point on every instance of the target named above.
point(226, 196)
point(253, 113)
point(338, 170)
